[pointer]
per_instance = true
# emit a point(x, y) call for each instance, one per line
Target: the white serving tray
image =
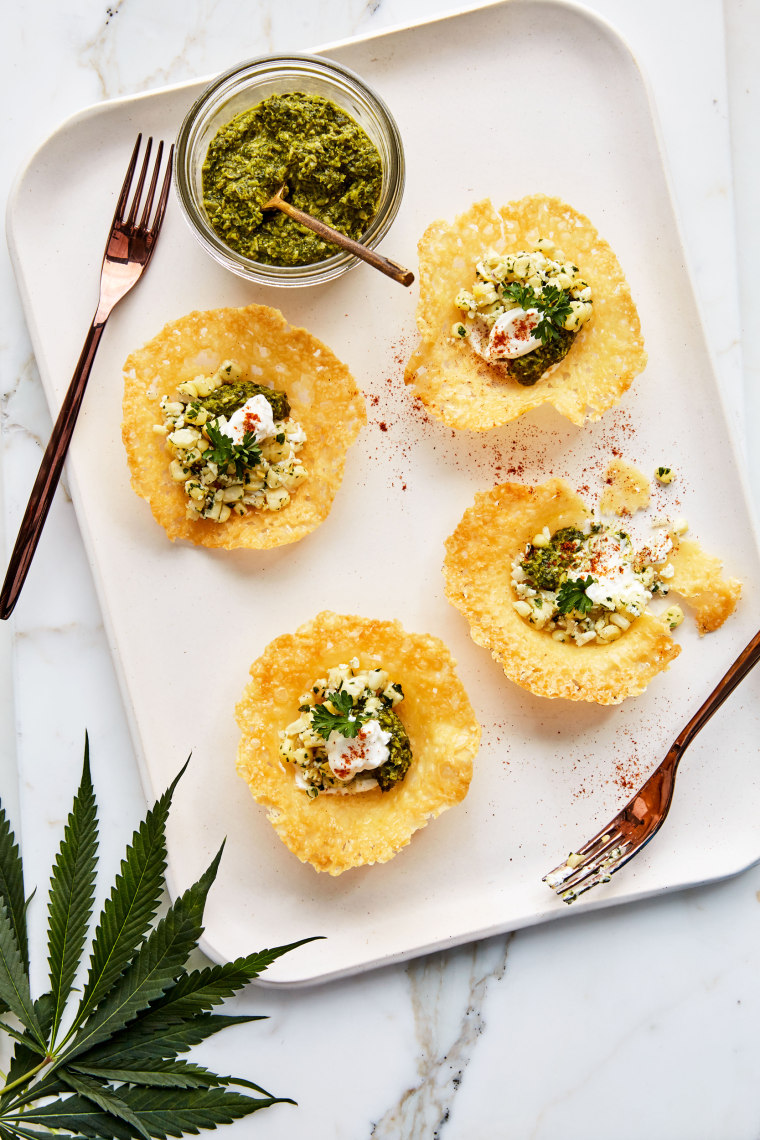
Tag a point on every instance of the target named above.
point(494, 103)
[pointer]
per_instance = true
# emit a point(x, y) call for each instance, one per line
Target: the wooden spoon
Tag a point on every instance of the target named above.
point(327, 233)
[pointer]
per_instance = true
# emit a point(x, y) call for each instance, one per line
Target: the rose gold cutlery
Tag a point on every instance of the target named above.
point(617, 843)
point(128, 251)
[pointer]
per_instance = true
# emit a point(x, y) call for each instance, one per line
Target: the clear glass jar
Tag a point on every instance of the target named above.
point(241, 88)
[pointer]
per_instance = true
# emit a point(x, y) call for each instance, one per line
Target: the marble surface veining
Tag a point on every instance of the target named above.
point(644, 1020)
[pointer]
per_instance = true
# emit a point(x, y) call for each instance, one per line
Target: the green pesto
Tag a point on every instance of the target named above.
point(531, 367)
point(396, 766)
point(546, 566)
point(225, 400)
point(331, 168)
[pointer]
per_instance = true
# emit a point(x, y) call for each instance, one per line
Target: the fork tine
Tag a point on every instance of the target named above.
point(121, 203)
point(600, 843)
point(161, 207)
point(593, 877)
point(152, 188)
point(140, 183)
point(585, 856)
point(600, 868)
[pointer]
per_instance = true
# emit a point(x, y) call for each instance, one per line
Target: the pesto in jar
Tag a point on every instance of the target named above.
point(331, 168)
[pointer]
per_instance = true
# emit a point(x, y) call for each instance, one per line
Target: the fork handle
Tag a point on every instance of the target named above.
point(49, 473)
point(746, 661)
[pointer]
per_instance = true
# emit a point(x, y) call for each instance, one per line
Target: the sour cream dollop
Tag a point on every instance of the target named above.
point(512, 334)
point(255, 417)
point(367, 750)
point(609, 558)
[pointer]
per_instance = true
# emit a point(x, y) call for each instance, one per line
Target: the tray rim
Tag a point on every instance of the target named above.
point(110, 106)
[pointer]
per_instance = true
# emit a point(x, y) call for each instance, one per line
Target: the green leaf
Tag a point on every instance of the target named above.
point(23, 1061)
point(164, 1112)
point(24, 1038)
point(117, 1075)
point(131, 907)
point(14, 978)
point(159, 1074)
point(28, 1134)
point(44, 1008)
point(552, 303)
point(223, 451)
point(106, 1099)
point(12, 886)
point(346, 719)
point(572, 597)
point(155, 1036)
point(72, 888)
point(155, 967)
point(200, 990)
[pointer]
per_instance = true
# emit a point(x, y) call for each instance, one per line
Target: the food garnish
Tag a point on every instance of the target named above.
point(235, 460)
point(404, 677)
point(524, 310)
point(348, 738)
point(598, 586)
point(582, 369)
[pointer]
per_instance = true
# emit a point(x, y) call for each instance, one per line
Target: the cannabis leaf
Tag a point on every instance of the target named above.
point(345, 720)
point(224, 451)
point(572, 596)
point(110, 1067)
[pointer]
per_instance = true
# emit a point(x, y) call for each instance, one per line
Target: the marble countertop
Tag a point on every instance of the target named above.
point(557, 1032)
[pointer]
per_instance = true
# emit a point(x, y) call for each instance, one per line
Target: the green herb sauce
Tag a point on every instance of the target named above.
point(546, 566)
point(331, 168)
point(531, 367)
point(396, 766)
point(225, 400)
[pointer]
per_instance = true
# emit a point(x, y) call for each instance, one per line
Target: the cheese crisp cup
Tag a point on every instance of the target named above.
point(320, 816)
point(560, 598)
point(236, 427)
point(585, 292)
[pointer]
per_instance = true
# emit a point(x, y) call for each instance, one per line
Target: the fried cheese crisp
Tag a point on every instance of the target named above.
point(477, 573)
point(323, 396)
point(335, 833)
point(698, 578)
point(461, 388)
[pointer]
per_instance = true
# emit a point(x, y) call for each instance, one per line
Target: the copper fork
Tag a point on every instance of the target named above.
point(617, 843)
point(128, 251)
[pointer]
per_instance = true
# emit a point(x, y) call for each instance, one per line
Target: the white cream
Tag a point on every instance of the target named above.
point(621, 591)
point(255, 416)
point(362, 753)
point(610, 561)
point(512, 334)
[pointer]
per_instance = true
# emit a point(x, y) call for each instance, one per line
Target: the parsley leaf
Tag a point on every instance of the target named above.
point(522, 295)
point(223, 451)
point(346, 720)
point(553, 305)
point(572, 596)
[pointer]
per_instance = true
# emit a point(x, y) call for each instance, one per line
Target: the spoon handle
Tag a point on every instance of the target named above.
point(384, 264)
